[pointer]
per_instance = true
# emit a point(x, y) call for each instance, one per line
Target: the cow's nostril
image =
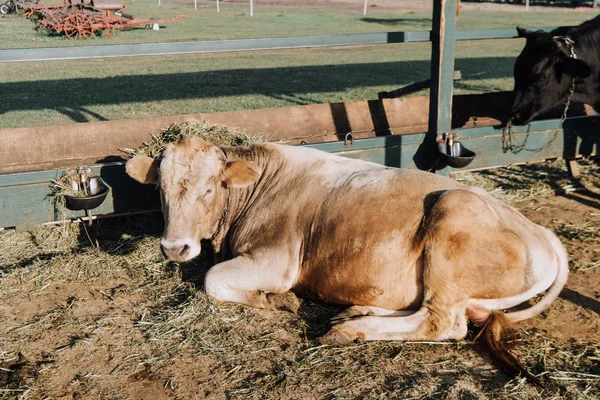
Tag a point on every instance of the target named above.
point(184, 249)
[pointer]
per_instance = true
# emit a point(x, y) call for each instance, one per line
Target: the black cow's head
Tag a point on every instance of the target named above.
point(543, 74)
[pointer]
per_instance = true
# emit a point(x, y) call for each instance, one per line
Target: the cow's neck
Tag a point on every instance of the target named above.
point(239, 199)
point(586, 42)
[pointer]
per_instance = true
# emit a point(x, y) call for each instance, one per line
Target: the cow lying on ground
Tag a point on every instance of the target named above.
point(413, 254)
point(549, 66)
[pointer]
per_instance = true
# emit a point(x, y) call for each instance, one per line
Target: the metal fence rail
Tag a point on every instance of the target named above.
point(219, 46)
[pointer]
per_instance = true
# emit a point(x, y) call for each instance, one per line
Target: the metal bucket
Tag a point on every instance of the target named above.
point(454, 154)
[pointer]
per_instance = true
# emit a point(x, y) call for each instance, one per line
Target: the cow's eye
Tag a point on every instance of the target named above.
point(209, 191)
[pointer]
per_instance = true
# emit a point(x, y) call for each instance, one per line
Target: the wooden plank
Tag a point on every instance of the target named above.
point(579, 132)
point(61, 146)
point(25, 197)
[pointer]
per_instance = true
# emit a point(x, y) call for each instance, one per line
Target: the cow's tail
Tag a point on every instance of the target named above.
point(495, 324)
point(493, 336)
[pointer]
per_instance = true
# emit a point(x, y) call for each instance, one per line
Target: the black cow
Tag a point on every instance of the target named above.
point(549, 66)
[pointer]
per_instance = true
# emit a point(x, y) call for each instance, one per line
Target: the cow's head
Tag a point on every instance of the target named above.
point(194, 179)
point(543, 74)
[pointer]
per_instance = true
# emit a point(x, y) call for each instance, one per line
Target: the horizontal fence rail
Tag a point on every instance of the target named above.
point(26, 200)
point(229, 45)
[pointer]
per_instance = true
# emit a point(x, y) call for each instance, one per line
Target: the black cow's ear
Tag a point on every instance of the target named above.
point(523, 32)
point(576, 68)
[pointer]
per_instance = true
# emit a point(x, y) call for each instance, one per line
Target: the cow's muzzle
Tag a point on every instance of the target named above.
point(179, 250)
point(517, 118)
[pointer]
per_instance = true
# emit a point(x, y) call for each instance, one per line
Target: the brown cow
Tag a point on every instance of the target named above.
point(413, 254)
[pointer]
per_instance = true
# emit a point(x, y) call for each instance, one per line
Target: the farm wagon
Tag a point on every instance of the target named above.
point(399, 132)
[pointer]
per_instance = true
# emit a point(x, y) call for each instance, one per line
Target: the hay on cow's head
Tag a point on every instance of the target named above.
point(215, 134)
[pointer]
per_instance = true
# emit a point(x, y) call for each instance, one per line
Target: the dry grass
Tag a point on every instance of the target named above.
point(98, 312)
point(530, 181)
point(215, 134)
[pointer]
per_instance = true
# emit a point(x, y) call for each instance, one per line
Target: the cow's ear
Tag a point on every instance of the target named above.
point(143, 169)
point(522, 32)
point(576, 68)
point(240, 173)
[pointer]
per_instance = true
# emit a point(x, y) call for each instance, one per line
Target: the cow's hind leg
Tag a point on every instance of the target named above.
point(466, 254)
point(421, 325)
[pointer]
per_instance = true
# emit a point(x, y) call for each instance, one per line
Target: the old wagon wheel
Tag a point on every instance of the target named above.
point(29, 11)
point(78, 25)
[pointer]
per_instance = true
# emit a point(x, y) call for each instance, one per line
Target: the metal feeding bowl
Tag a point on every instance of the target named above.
point(98, 191)
point(455, 154)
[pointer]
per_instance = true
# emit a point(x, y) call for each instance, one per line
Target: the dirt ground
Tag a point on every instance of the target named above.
point(94, 312)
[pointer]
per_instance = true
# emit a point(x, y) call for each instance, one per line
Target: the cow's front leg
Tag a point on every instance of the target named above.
point(258, 280)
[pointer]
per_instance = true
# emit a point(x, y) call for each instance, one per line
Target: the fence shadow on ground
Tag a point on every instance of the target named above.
point(556, 177)
point(121, 235)
point(581, 300)
point(73, 97)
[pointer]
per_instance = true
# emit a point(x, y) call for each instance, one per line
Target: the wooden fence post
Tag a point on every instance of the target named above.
point(442, 72)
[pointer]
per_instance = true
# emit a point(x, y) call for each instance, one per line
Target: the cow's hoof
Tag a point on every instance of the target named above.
point(335, 337)
point(284, 302)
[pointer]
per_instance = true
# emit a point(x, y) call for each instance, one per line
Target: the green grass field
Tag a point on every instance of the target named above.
point(59, 92)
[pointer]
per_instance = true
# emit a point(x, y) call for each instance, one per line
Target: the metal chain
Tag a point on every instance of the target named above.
point(570, 44)
point(508, 131)
point(516, 148)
